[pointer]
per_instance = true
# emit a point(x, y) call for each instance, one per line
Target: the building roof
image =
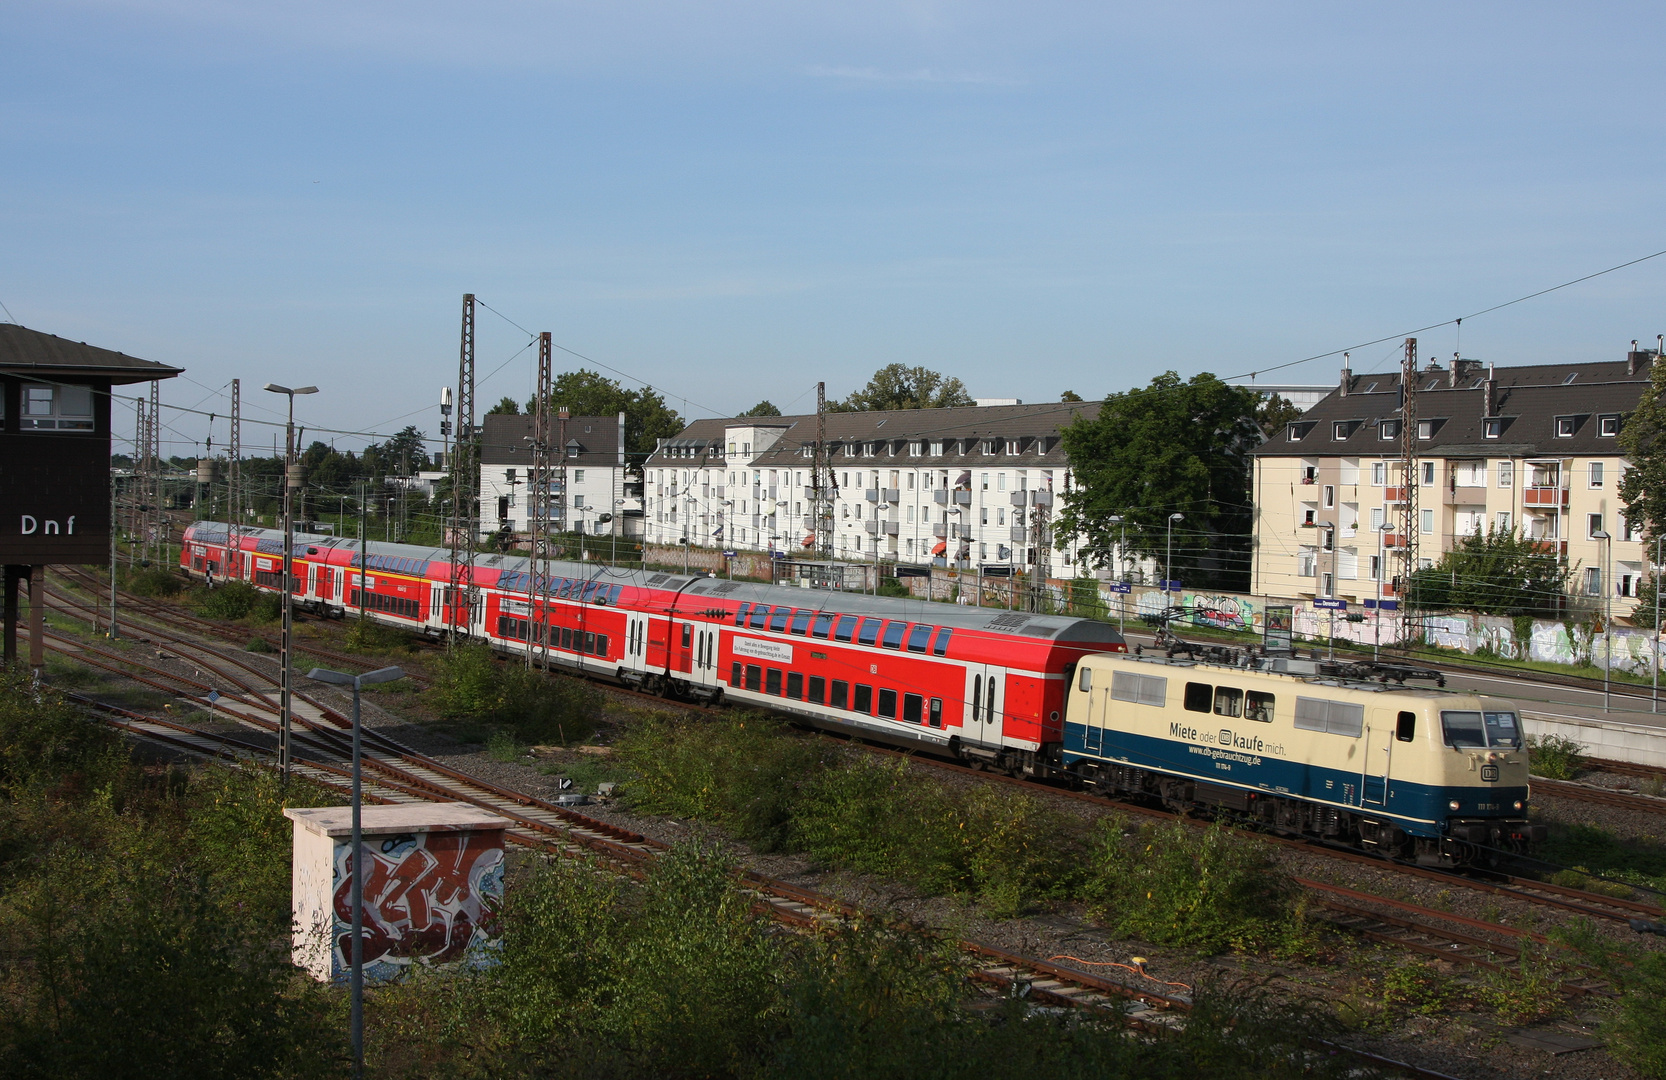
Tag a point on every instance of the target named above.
point(1526, 402)
point(961, 432)
point(506, 439)
point(29, 352)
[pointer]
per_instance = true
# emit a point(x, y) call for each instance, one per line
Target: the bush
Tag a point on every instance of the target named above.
point(238, 600)
point(154, 581)
point(527, 705)
point(1555, 757)
point(365, 636)
point(48, 745)
point(1203, 888)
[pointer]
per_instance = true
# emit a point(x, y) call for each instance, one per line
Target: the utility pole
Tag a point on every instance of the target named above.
point(822, 509)
point(234, 481)
point(156, 530)
point(463, 483)
point(540, 510)
point(1409, 479)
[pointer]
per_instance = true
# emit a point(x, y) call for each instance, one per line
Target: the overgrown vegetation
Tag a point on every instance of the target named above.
point(367, 636)
point(1498, 572)
point(1591, 849)
point(1555, 756)
point(1637, 1035)
point(237, 600)
point(529, 707)
point(154, 581)
point(144, 913)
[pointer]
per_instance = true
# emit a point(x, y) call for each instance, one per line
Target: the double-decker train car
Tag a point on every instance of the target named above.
point(1429, 774)
point(985, 685)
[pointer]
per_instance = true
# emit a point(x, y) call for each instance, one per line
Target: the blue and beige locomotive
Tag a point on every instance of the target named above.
point(1433, 775)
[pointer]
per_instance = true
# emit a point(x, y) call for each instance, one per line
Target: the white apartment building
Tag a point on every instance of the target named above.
point(590, 479)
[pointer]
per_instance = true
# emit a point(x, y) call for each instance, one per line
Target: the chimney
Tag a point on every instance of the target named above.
point(1347, 375)
point(1638, 359)
point(1489, 394)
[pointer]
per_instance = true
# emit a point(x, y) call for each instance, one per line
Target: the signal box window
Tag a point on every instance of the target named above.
point(1405, 728)
point(912, 707)
point(862, 700)
point(1258, 706)
point(841, 694)
point(1229, 701)
point(1200, 697)
point(57, 408)
point(888, 704)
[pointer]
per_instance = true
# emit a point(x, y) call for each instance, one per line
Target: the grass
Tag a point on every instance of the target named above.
point(588, 772)
point(480, 697)
point(1590, 849)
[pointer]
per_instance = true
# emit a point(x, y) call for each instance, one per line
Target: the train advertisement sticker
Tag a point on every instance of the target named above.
point(764, 650)
point(1278, 628)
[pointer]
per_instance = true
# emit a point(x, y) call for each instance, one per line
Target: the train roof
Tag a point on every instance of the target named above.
point(1058, 628)
point(1309, 678)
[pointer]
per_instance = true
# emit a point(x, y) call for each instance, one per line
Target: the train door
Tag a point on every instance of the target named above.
point(636, 641)
point(985, 698)
point(1380, 736)
point(1094, 717)
point(704, 669)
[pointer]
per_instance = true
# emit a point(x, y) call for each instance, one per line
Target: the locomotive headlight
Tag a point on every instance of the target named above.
point(1453, 805)
point(1517, 804)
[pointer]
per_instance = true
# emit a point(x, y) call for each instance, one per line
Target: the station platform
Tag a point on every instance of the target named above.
point(1638, 738)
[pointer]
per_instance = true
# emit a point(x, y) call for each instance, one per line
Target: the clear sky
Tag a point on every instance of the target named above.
point(732, 200)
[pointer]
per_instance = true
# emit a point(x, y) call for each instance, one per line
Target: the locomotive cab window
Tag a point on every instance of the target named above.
point(1464, 729)
point(1405, 727)
point(1258, 705)
point(1229, 701)
point(1085, 683)
point(1200, 697)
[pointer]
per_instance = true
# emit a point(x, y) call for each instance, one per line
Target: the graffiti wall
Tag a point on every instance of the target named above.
point(433, 883)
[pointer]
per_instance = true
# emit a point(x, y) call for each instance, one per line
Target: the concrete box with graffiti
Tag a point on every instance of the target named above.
point(432, 887)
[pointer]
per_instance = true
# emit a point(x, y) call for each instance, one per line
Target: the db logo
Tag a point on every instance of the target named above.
point(873, 669)
point(1489, 773)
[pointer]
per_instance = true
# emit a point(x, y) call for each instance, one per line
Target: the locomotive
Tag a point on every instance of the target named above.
point(1431, 775)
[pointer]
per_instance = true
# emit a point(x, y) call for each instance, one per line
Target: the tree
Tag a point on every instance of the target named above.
point(896, 386)
point(1274, 414)
point(588, 393)
point(508, 406)
point(762, 408)
point(1172, 447)
point(1493, 573)
point(1643, 442)
point(1070, 395)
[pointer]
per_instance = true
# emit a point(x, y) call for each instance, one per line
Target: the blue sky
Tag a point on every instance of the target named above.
point(730, 201)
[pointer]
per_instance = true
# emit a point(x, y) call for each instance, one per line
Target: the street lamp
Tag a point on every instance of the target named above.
point(1121, 553)
point(728, 536)
point(1168, 556)
point(356, 985)
point(1382, 571)
point(292, 481)
point(1607, 641)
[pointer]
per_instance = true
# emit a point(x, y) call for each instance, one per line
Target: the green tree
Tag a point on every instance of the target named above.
point(1070, 395)
point(762, 408)
point(1170, 447)
point(588, 393)
point(1643, 442)
point(897, 386)
point(1493, 573)
point(1274, 413)
point(506, 406)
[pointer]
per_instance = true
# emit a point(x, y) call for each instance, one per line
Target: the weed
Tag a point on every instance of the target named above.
point(1590, 849)
point(530, 706)
point(1555, 756)
point(258, 645)
point(365, 636)
point(588, 773)
point(1418, 989)
point(1529, 993)
point(501, 745)
point(1637, 1036)
point(237, 600)
point(156, 581)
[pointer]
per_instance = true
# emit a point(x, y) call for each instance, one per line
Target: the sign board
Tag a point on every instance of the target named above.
point(1169, 585)
point(1383, 605)
point(913, 571)
point(1000, 570)
point(1330, 603)
point(728, 554)
point(1120, 586)
point(763, 650)
point(54, 498)
point(1278, 625)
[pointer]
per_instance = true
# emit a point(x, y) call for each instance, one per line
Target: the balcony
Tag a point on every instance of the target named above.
point(1038, 497)
point(1394, 494)
point(1018, 534)
point(940, 530)
point(874, 528)
point(1549, 545)
point(1545, 496)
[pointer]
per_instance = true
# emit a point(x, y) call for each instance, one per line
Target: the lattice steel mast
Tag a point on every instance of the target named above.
point(234, 485)
point(1408, 480)
point(464, 481)
point(822, 510)
point(540, 508)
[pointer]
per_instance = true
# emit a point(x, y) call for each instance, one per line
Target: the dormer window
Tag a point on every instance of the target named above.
point(1388, 429)
point(1492, 429)
point(1608, 426)
point(1340, 430)
point(1295, 432)
point(1425, 429)
point(937, 448)
point(988, 447)
point(1565, 426)
point(1012, 446)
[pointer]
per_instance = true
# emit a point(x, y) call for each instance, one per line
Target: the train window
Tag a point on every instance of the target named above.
point(823, 625)
point(615, 593)
point(1335, 717)
point(894, 630)
point(862, 700)
point(919, 639)
point(977, 698)
point(870, 631)
point(1228, 701)
point(1405, 727)
point(888, 704)
point(754, 676)
point(846, 628)
point(772, 681)
point(566, 590)
point(936, 712)
point(688, 635)
point(740, 613)
point(601, 645)
point(801, 622)
point(941, 645)
point(778, 621)
point(913, 706)
point(759, 615)
point(1138, 688)
point(1085, 683)
point(1463, 728)
point(818, 689)
point(795, 685)
point(734, 673)
point(566, 637)
point(1258, 705)
point(1199, 696)
point(1501, 729)
point(589, 642)
point(841, 694)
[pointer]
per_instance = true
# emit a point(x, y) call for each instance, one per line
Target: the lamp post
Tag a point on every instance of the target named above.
point(356, 984)
point(292, 480)
point(1655, 707)
point(1607, 640)
point(1382, 566)
point(728, 536)
point(1168, 555)
point(1121, 553)
point(878, 531)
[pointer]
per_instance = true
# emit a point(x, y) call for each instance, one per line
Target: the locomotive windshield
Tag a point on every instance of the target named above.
point(1480, 729)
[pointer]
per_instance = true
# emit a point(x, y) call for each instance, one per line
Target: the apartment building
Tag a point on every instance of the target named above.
point(964, 486)
point(1534, 448)
point(589, 480)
